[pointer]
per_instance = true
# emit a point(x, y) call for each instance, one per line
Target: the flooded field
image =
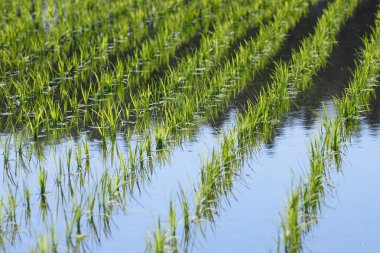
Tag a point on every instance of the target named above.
point(189, 126)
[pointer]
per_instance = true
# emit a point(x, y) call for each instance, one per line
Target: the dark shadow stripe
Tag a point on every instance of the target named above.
point(293, 40)
point(332, 80)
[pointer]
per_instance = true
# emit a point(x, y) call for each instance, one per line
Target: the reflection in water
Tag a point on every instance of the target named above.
point(87, 190)
point(72, 166)
point(350, 220)
point(261, 198)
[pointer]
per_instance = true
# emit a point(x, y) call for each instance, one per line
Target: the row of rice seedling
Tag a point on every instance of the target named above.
point(120, 178)
point(256, 125)
point(115, 178)
point(304, 203)
point(162, 134)
point(138, 177)
point(209, 53)
point(24, 98)
point(55, 111)
point(174, 123)
point(111, 194)
point(80, 48)
point(181, 103)
point(87, 59)
point(28, 30)
point(158, 53)
point(47, 127)
point(197, 69)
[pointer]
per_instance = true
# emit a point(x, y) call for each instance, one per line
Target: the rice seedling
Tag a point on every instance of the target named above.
point(47, 129)
point(2, 241)
point(177, 122)
point(326, 149)
point(186, 218)
point(257, 124)
point(43, 200)
point(6, 155)
point(160, 240)
point(95, 96)
point(27, 199)
point(11, 229)
point(61, 35)
point(44, 79)
point(173, 227)
point(179, 108)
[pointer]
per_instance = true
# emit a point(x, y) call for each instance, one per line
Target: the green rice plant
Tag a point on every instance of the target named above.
point(160, 240)
point(325, 150)
point(69, 108)
point(86, 155)
point(54, 238)
point(161, 136)
point(186, 218)
point(256, 125)
point(44, 79)
point(46, 242)
point(173, 227)
point(90, 215)
point(208, 53)
point(78, 157)
point(42, 180)
point(78, 213)
point(27, 200)
point(2, 241)
point(43, 245)
point(290, 225)
point(6, 155)
point(20, 150)
point(177, 115)
point(11, 224)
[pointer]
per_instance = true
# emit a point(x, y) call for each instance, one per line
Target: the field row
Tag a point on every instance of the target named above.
point(94, 101)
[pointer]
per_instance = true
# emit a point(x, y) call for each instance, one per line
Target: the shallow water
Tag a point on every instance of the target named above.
point(251, 222)
point(350, 217)
point(251, 219)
